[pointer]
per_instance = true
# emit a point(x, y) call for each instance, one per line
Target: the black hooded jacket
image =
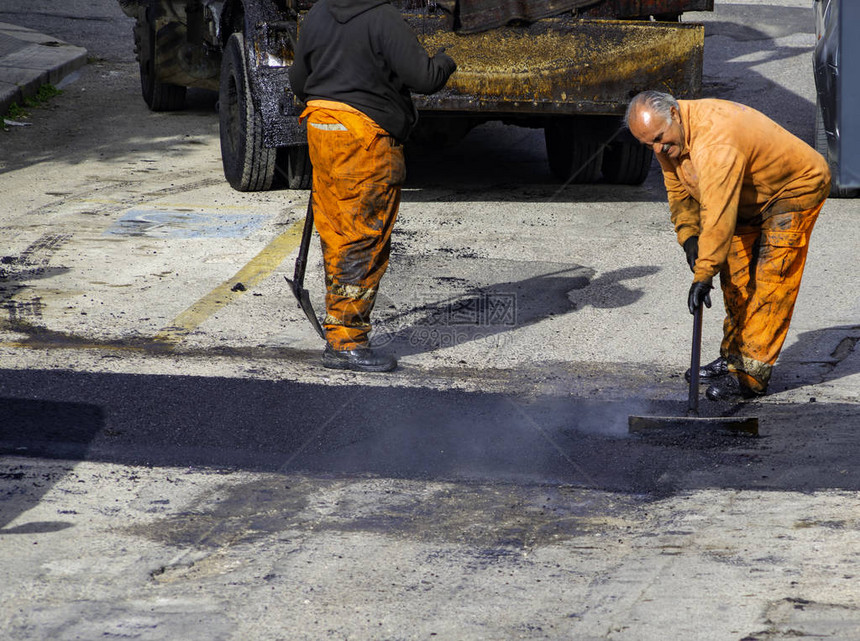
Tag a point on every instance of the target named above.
point(362, 53)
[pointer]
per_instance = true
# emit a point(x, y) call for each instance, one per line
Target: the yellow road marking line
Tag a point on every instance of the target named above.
point(258, 269)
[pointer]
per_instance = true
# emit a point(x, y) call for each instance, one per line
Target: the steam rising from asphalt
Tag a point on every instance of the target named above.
point(459, 435)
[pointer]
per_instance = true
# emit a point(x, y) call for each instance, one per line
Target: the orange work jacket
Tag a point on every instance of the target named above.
point(737, 167)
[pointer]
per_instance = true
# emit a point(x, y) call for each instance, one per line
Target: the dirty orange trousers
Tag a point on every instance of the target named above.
point(358, 169)
point(760, 282)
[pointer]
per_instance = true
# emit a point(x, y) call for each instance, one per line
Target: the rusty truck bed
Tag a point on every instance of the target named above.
point(563, 65)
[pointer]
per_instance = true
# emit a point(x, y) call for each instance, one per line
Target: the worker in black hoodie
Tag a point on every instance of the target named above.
point(356, 64)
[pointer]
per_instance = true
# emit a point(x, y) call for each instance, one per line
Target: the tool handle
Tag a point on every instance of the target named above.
point(695, 360)
point(304, 246)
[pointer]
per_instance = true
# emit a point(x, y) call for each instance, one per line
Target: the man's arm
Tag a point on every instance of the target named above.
point(685, 214)
point(298, 75)
point(720, 182)
point(408, 59)
point(683, 207)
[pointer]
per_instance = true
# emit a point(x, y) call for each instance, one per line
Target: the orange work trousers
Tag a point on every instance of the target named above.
point(760, 283)
point(358, 169)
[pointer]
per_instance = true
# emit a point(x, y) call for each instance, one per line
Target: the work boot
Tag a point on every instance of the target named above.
point(729, 388)
point(360, 359)
point(714, 369)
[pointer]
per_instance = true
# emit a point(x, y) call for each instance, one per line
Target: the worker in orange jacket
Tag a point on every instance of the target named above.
point(744, 195)
point(356, 64)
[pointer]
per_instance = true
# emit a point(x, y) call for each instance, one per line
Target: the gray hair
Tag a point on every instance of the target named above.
point(659, 103)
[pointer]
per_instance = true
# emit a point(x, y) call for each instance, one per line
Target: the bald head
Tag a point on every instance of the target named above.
point(654, 119)
point(649, 105)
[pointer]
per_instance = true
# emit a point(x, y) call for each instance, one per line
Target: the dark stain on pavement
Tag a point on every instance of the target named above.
point(492, 517)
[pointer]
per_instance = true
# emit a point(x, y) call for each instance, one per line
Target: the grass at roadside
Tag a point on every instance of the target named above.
point(18, 112)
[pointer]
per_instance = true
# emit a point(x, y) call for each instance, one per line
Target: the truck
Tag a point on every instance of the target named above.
point(836, 70)
point(568, 67)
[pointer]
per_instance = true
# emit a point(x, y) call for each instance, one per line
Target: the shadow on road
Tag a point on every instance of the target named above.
point(734, 49)
point(67, 428)
point(440, 319)
point(801, 363)
point(413, 433)
point(506, 163)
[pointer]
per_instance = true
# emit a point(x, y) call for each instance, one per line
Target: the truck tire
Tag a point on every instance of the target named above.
point(626, 163)
point(248, 164)
point(572, 158)
point(158, 96)
point(294, 167)
point(821, 146)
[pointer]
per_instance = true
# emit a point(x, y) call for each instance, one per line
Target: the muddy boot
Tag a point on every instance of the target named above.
point(360, 359)
point(714, 369)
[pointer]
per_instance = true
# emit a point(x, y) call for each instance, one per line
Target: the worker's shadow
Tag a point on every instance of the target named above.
point(488, 313)
point(817, 356)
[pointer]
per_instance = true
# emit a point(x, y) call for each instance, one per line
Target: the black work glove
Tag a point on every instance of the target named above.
point(691, 248)
point(699, 293)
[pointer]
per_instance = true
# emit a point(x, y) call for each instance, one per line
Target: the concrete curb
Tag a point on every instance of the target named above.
point(29, 59)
